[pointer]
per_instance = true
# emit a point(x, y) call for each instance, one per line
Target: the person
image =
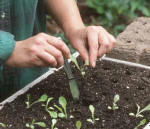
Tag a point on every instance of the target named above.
point(26, 51)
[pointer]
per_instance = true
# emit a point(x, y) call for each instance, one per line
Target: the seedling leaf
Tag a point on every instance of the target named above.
point(116, 98)
point(142, 122)
point(41, 124)
point(3, 125)
point(92, 109)
point(61, 115)
point(78, 124)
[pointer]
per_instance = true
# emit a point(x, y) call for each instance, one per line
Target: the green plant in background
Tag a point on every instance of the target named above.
point(32, 125)
point(54, 121)
point(142, 122)
point(92, 119)
point(63, 111)
point(117, 13)
point(43, 98)
point(2, 125)
point(78, 124)
point(114, 106)
point(82, 68)
point(138, 114)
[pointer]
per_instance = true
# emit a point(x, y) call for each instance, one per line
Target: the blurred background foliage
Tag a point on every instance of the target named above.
point(113, 15)
point(116, 14)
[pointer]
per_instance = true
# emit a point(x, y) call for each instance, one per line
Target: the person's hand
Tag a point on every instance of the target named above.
point(40, 50)
point(91, 42)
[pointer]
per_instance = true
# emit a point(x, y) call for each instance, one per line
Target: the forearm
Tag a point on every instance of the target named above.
point(66, 13)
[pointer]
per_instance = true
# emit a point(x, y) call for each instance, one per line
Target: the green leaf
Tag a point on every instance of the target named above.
point(142, 122)
point(63, 102)
point(78, 124)
point(59, 108)
point(27, 125)
point(3, 125)
point(131, 114)
point(52, 114)
point(109, 108)
point(116, 98)
point(147, 108)
point(90, 120)
point(74, 60)
point(43, 98)
point(92, 109)
point(54, 121)
point(41, 124)
point(61, 115)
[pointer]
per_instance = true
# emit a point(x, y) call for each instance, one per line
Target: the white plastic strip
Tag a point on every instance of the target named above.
point(147, 126)
point(126, 63)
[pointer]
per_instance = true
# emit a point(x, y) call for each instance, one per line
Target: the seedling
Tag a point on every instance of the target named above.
point(92, 119)
point(138, 114)
point(54, 121)
point(50, 110)
point(142, 122)
point(78, 124)
point(43, 98)
point(114, 106)
point(82, 68)
point(63, 103)
point(2, 125)
point(32, 125)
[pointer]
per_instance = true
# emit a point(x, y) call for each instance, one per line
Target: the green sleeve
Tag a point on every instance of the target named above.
point(7, 44)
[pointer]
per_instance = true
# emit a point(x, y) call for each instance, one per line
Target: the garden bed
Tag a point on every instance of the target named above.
point(97, 88)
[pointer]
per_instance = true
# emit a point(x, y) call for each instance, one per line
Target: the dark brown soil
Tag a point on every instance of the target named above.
point(97, 88)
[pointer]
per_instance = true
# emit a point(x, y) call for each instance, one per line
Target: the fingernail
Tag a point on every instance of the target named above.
point(93, 64)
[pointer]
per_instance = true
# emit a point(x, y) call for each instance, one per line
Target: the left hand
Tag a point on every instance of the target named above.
point(91, 42)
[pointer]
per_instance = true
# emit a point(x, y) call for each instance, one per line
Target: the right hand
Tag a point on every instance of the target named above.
point(40, 50)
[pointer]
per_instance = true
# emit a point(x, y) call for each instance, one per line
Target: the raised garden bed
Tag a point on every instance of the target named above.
point(97, 88)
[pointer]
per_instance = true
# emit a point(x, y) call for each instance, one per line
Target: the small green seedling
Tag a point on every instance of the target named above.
point(32, 125)
point(50, 110)
point(82, 68)
point(43, 98)
point(142, 122)
point(2, 125)
point(138, 114)
point(78, 124)
point(63, 103)
point(92, 119)
point(114, 106)
point(54, 121)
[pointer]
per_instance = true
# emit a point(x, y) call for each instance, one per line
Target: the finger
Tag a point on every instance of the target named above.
point(82, 49)
point(111, 38)
point(104, 42)
point(48, 59)
point(59, 44)
point(93, 47)
point(57, 54)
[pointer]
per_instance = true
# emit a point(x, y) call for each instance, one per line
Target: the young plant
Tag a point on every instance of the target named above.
point(54, 121)
point(142, 122)
point(114, 106)
point(92, 119)
point(43, 98)
point(78, 124)
point(138, 114)
point(2, 125)
point(32, 125)
point(50, 110)
point(82, 68)
point(63, 111)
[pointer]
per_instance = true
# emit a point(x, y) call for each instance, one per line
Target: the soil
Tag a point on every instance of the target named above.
point(98, 88)
point(134, 43)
